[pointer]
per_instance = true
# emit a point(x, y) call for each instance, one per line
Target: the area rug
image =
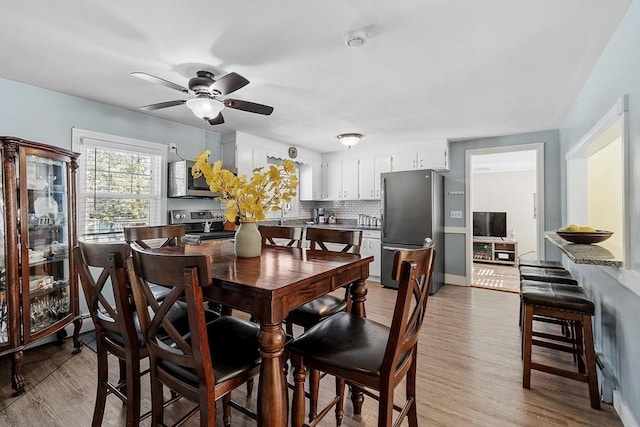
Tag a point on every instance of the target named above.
point(496, 277)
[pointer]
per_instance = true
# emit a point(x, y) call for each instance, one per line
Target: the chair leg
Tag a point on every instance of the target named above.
point(157, 401)
point(385, 406)
point(314, 390)
point(249, 387)
point(297, 413)
point(412, 415)
point(340, 403)
point(101, 390)
point(594, 395)
point(122, 379)
point(528, 337)
point(579, 347)
point(226, 410)
point(133, 391)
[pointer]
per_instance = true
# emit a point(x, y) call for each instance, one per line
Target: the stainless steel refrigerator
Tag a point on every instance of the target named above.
point(412, 204)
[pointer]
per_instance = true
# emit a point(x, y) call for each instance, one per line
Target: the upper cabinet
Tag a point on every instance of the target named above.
point(340, 180)
point(436, 157)
point(311, 181)
point(369, 171)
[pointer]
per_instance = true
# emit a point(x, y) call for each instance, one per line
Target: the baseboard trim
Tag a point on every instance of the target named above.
point(452, 279)
point(623, 411)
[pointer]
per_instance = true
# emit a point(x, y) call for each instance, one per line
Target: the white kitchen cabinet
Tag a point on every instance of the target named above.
point(369, 171)
point(311, 181)
point(340, 180)
point(404, 161)
point(434, 158)
point(366, 179)
point(371, 246)
point(382, 165)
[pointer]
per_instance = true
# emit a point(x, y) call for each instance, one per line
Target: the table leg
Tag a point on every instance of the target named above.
point(272, 389)
point(358, 297)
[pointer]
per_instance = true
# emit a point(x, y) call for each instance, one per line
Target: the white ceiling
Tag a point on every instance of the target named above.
point(430, 69)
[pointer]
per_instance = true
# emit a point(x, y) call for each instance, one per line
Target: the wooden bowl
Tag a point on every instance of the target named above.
point(585, 237)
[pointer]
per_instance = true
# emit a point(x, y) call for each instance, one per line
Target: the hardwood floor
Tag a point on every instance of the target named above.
point(497, 277)
point(470, 373)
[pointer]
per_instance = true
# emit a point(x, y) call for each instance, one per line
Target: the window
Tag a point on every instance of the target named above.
point(119, 183)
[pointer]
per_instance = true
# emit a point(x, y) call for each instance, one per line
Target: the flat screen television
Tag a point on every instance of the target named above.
point(490, 224)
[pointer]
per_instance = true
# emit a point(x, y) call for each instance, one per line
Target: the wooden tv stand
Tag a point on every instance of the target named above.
point(495, 250)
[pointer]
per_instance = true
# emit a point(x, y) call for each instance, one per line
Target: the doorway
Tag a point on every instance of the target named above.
point(504, 213)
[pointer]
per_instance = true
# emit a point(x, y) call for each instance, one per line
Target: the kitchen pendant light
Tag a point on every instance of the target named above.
point(349, 139)
point(205, 107)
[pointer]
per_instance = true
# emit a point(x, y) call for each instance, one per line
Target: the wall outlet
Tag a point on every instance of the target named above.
point(456, 214)
point(173, 148)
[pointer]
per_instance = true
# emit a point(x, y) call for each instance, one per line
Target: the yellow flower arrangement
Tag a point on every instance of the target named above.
point(244, 199)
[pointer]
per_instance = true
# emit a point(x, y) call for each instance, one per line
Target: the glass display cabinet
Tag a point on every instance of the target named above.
point(38, 284)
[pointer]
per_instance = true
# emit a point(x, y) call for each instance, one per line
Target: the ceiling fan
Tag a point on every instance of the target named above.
point(207, 103)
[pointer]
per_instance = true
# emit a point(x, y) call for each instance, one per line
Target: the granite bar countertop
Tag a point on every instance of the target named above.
point(584, 254)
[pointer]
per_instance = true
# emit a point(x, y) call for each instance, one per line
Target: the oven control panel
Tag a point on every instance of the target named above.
point(185, 216)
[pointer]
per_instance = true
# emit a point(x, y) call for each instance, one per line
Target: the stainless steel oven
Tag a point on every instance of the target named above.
point(201, 225)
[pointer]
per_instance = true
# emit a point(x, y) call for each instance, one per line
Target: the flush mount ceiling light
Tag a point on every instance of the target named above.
point(355, 39)
point(205, 107)
point(349, 139)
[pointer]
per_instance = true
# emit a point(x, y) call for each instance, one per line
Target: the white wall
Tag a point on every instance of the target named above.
point(510, 192)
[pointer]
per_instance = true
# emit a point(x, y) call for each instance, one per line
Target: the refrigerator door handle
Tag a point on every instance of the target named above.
point(383, 217)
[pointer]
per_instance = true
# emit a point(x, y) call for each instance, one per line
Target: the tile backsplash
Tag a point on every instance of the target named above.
point(344, 209)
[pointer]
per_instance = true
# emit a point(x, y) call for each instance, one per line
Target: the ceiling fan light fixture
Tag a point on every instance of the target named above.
point(205, 107)
point(355, 39)
point(349, 139)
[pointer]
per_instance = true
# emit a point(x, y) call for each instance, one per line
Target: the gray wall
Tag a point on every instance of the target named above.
point(617, 319)
point(455, 180)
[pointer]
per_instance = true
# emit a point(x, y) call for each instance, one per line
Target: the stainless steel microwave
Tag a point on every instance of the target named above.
point(183, 184)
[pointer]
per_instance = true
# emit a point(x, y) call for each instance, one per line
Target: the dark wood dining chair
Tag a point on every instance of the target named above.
point(281, 236)
point(115, 329)
point(155, 235)
point(325, 239)
point(365, 354)
point(204, 365)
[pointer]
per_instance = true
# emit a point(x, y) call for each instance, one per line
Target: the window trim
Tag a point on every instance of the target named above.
point(78, 137)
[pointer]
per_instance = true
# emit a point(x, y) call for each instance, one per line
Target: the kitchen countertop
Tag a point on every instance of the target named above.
point(340, 225)
point(584, 254)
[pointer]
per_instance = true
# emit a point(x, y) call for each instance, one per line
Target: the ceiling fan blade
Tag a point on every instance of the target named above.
point(217, 120)
point(163, 82)
point(227, 84)
point(251, 107)
point(160, 105)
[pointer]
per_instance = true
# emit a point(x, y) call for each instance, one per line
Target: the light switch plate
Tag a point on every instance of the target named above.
point(456, 214)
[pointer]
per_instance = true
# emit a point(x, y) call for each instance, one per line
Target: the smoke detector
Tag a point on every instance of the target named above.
point(355, 39)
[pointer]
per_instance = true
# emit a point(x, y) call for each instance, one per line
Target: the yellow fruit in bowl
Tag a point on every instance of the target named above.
point(587, 229)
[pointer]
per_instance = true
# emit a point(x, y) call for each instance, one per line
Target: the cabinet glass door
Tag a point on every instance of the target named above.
point(45, 245)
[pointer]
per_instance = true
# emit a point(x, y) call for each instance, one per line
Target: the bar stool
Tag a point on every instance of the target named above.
point(539, 263)
point(563, 302)
point(552, 275)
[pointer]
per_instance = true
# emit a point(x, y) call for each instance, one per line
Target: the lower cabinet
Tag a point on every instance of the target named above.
point(371, 246)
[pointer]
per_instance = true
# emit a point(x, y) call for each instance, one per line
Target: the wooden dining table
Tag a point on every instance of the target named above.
point(268, 287)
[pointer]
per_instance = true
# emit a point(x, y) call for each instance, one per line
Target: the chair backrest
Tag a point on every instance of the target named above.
point(271, 232)
point(348, 240)
point(109, 259)
point(413, 269)
point(164, 334)
point(163, 235)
